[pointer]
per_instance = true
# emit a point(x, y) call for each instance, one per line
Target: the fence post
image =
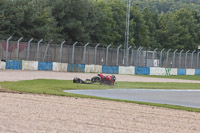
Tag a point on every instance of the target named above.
point(192, 58)
point(117, 59)
point(174, 57)
point(186, 58)
point(161, 57)
point(95, 53)
point(127, 56)
point(7, 46)
point(167, 58)
point(154, 56)
point(84, 52)
point(18, 47)
point(38, 48)
point(179, 64)
point(61, 50)
point(107, 54)
point(46, 52)
point(28, 49)
point(132, 56)
point(139, 55)
point(73, 49)
point(198, 59)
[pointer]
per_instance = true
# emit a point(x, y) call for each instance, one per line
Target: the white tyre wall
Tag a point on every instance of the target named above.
point(126, 70)
point(157, 71)
point(29, 65)
point(60, 67)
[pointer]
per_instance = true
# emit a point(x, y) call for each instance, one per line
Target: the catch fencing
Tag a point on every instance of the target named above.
point(109, 56)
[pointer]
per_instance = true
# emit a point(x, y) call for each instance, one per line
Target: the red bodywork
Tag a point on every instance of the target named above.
point(108, 79)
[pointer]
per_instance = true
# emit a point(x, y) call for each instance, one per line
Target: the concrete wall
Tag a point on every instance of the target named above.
point(60, 67)
point(190, 71)
point(181, 71)
point(126, 70)
point(93, 69)
point(2, 65)
point(142, 70)
point(14, 64)
point(64, 67)
point(45, 66)
point(197, 71)
point(157, 71)
point(110, 69)
point(76, 68)
point(29, 65)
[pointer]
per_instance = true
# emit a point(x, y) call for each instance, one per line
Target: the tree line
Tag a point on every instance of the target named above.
point(153, 24)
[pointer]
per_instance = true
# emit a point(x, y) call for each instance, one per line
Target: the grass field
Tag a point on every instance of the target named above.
point(186, 77)
point(56, 87)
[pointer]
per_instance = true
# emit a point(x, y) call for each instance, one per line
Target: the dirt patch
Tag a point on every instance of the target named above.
point(40, 113)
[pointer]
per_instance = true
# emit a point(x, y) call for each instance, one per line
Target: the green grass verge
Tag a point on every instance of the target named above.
point(56, 87)
point(186, 77)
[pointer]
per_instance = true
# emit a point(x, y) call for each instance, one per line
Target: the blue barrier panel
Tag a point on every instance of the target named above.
point(45, 66)
point(110, 69)
point(197, 71)
point(181, 72)
point(14, 64)
point(76, 67)
point(142, 70)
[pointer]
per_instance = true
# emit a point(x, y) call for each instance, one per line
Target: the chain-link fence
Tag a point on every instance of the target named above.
point(12, 50)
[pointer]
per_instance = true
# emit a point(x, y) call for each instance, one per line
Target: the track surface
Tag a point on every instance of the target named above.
point(187, 98)
point(38, 113)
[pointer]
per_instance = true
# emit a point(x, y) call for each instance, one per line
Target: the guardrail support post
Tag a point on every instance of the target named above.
point(179, 64)
point(117, 59)
point(161, 57)
point(7, 46)
point(95, 53)
point(18, 47)
point(174, 57)
point(198, 60)
point(38, 48)
point(167, 58)
point(186, 58)
point(61, 51)
point(107, 54)
point(154, 56)
point(73, 50)
point(84, 52)
point(192, 58)
point(127, 55)
point(28, 49)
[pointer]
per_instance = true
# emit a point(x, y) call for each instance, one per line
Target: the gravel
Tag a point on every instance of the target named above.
point(30, 113)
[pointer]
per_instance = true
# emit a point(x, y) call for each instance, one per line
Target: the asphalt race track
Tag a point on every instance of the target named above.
point(187, 98)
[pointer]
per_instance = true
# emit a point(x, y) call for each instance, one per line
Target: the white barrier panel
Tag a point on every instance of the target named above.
point(29, 65)
point(174, 71)
point(190, 71)
point(60, 67)
point(126, 70)
point(157, 71)
point(2, 65)
point(93, 69)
